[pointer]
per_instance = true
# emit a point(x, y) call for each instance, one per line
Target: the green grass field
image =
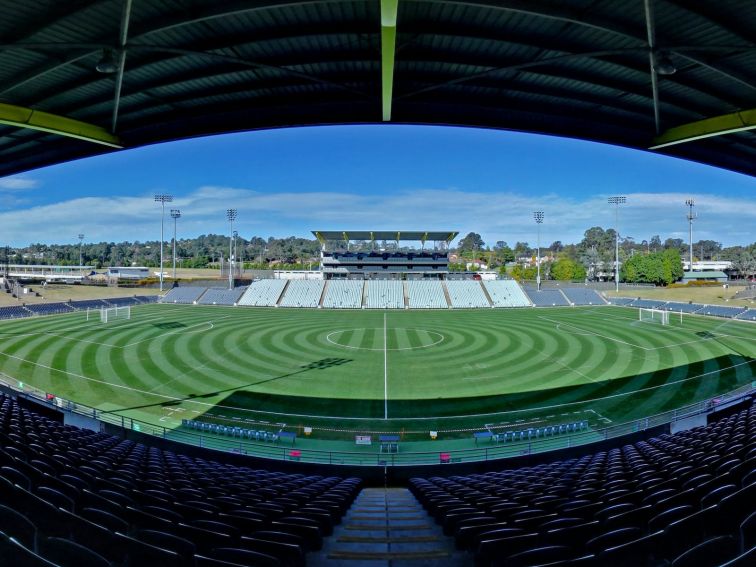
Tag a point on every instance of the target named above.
point(423, 370)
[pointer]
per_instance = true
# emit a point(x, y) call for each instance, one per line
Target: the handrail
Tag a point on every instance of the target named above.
point(409, 458)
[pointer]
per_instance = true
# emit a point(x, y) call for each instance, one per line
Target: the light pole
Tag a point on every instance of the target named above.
point(236, 251)
point(538, 216)
point(162, 199)
point(81, 242)
point(231, 216)
point(175, 214)
point(616, 201)
point(691, 217)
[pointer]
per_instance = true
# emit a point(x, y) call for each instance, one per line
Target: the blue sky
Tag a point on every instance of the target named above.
point(290, 181)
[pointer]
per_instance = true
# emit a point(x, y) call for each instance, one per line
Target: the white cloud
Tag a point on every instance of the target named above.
point(17, 184)
point(506, 215)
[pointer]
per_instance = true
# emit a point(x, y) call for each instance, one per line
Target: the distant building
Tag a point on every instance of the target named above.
point(708, 265)
point(710, 276)
point(128, 273)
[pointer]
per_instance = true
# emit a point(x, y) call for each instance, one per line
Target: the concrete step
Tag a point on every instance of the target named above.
point(388, 528)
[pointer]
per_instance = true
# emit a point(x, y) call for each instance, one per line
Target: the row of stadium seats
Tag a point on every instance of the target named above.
point(303, 293)
point(14, 312)
point(77, 497)
point(186, 295)
point(343, 294)
point(538, 432)
point(49, 308)
point(688, 499)
point(507, 293)
point(240, 432)
point(426, 294)
point(385, 294)
point(28, 310)
point(729, 312)
point(747, 315)
point(466, 294)
point(221, 296)
point(263, 293)
point(547, 297)
point(583, 296)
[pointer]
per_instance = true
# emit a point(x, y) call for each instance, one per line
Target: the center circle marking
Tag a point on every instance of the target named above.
point(336, 333)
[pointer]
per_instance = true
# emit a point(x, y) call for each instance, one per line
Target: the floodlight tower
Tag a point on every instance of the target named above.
point(162, 198)
point(236, 251)
point(231, 216)
point(691, 217)
point(616, 201)
point(175, 214)
point(81, 242)
point(538, 216)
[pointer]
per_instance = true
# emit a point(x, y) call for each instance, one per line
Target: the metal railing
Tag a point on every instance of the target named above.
point(370, 456)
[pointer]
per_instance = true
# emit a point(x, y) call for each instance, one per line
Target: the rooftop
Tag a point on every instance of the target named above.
point(85, 77)
point(392, 235)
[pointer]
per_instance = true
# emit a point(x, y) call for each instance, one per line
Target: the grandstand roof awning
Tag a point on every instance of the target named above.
point(673, 77)
point(394, 235)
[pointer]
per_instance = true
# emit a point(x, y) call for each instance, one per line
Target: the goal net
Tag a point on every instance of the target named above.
point(109, 314)
point(658, 316)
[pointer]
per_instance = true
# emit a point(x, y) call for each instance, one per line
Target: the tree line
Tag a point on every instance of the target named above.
point(647, 261)
point(591, 258)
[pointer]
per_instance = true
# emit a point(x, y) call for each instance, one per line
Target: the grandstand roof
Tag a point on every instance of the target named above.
point(398, 235)
point(590, 69)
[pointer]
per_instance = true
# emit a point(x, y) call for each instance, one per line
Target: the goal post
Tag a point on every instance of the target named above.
point(659, 316)
point(109, 314)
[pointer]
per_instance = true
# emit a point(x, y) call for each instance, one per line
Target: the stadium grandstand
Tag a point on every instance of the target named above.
point(343, 294)
point(426, 294)
point(303, 293)
point(546, 297)
point(384, 254)
point(221, 296)
point(263, 293)
point(119, 484)
point(466, 294)
point(583, 296)
point(384, 294)
point(182, 294)
point(506, 293)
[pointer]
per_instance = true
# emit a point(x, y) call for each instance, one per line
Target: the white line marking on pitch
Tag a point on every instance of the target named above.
point(715, 336)
point(576, 371)
point(439, 341)
point(599, 416)
point(183, 400)
point(385, 370)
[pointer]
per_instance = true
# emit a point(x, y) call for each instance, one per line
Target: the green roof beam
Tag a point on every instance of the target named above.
point(707, 128)
point(22, 117)
point(389, 10)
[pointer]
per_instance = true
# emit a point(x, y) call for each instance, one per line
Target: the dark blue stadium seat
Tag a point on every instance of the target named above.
point(66, 553)
point(183, 547)
point(142, 553)
point(235, 556)
point(98, 538)
point(14, 554)
point(19, 527)
point(711, 553)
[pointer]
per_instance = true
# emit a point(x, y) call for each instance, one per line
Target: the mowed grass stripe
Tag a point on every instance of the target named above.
point(484, 353)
